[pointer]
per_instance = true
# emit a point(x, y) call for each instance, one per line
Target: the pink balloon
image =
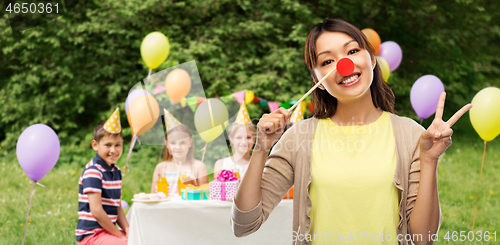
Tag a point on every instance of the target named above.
point(424, 95)
point(392, 53)
point(38, 150)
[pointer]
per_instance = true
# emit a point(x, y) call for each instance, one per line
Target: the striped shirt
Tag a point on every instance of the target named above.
point(98, 177)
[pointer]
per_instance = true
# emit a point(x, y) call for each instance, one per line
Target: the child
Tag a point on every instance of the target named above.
point(242, 137)
point(348, 174)
point(99, 195)
point(179, 159)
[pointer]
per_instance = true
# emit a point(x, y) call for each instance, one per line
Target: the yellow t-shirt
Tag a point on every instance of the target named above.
point(353, 198)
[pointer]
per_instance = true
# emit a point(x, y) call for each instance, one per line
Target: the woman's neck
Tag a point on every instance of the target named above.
point(356, 112)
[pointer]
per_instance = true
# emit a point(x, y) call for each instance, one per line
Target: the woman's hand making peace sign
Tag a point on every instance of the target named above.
point(437, 138)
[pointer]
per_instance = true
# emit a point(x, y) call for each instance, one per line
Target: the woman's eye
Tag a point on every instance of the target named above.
point(326, 62)
point(353, 51)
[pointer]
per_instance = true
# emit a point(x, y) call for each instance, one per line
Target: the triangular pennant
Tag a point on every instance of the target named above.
point(158, 89)
point(113, 124)
point(183, 102)
point(200, 100)
point(273, 105)
point(243, 116)
point(240, 96)
point(310, 105)
point(192, 102)
point(249, 96)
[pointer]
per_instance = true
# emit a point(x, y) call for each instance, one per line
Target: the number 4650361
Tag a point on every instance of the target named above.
point(26, 8)
point(471, 236)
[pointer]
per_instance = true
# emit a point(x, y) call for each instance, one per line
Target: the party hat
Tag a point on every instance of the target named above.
point(170, 121)
point(243, 117)
point(113, 124)
point(298, 113)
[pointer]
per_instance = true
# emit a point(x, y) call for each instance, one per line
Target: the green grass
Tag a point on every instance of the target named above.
point(53, 215)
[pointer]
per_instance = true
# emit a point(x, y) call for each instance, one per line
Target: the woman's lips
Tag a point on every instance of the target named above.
point(352, 83)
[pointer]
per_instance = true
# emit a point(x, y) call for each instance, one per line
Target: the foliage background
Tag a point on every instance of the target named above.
point(72, 72)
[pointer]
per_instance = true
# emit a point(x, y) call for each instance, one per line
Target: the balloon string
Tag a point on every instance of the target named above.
point(204, 151)
point(421, 121)
point(134, 138)
point(43, 185)
point(477, 196)
point(29, 207)
point(149, 75)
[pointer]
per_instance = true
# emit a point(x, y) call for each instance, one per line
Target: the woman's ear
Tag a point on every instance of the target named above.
point(374, 62)
point(314, 77)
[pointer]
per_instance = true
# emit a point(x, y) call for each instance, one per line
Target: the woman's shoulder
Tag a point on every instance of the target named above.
point(407, 122)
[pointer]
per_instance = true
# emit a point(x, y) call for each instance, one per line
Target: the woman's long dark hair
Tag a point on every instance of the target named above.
point(325, 105)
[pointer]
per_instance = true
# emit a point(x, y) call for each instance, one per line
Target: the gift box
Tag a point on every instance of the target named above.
point(195, 192)
point(224, 187)
point(289, 194)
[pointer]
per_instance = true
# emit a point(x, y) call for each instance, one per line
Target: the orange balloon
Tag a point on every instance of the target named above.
point(143, 113)
point(177, 85)
point(373, 39)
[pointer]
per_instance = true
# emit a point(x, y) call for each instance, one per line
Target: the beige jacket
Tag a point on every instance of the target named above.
point(289, 164)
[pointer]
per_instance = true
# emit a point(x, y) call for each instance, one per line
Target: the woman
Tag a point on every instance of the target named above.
point(178, 159)
point(242, 138)
point(356, 167)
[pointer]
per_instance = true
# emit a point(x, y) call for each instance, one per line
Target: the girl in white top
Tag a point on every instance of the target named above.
point(178, 158)
point(242, 138)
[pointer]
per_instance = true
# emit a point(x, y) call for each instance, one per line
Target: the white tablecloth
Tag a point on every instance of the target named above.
point(176, 221)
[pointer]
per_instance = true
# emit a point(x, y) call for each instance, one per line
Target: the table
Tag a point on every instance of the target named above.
point(177, 221)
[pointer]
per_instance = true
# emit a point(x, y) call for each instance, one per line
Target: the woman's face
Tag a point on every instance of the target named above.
point(179, 143)
point(242, 141)
point(331, 47)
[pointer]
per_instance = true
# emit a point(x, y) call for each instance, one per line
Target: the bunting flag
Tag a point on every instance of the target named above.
point(310, 105)
point(183, 102)
point(192, 102)
point(158, 89)
point(273, 105)
point(200, 100)
point(239, 96)
point(249, 96)
point(246, 97)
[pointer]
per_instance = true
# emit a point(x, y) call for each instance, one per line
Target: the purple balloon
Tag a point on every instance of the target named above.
point(424, 95)
point(134, 94)
point(37, 150)
point(124, 204)
point(392, 53)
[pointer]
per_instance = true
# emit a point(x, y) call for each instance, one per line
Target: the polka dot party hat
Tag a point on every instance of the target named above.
point(113, 124)
point(298, 113)
point(170, 121)
point(243, 116)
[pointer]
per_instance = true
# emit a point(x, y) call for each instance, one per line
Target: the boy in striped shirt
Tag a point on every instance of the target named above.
point(99, 195)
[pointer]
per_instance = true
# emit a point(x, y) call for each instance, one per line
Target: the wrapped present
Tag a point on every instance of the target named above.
point(289, 194)
point(224, 187)
point(195, 192)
